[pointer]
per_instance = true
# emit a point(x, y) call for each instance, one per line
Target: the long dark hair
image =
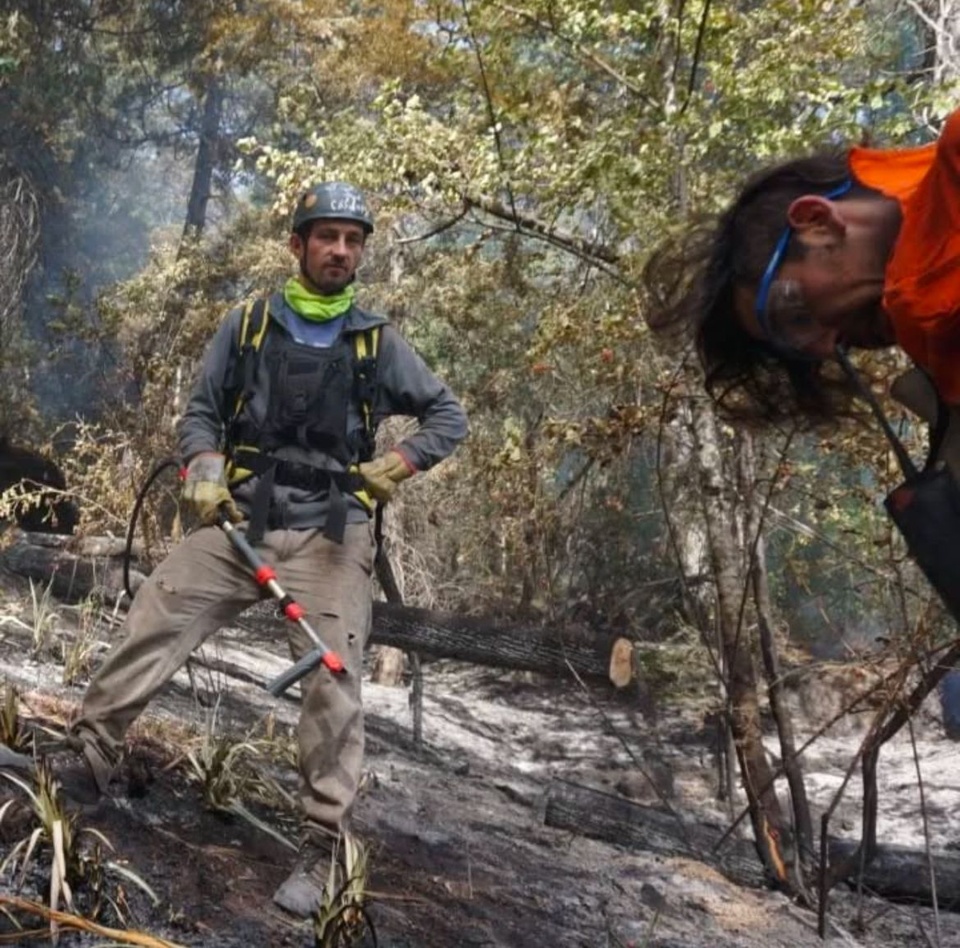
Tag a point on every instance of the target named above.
point(690, 284)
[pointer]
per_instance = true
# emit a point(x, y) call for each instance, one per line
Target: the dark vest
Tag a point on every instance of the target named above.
point(308, 392)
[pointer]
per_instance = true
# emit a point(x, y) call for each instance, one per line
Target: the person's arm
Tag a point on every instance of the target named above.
point(406, 386)
point(200, 433)
point(201, 427)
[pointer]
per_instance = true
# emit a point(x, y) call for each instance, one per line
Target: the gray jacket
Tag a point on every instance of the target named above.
point(405, 386)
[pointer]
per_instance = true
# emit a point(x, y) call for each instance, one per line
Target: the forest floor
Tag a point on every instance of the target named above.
point(460, 853)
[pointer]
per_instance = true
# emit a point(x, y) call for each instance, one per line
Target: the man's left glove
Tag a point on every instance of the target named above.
point(382, 474)
point(205, 489)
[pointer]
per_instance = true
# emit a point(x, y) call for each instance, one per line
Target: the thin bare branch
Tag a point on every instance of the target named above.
point(926, 832)
point(532, 225)
point(491, 111)
point(439, 229)
point(586, 55)
point(697, 53)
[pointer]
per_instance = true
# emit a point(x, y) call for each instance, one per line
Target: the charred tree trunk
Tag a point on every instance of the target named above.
point(148, 369)
point(69, 576)
point(203, 168)
point(391, 589)
point(390, 663)
point(902, 874)
point(475, 639)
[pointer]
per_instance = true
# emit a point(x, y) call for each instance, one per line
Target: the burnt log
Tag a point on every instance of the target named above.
point(75, 576)
point(481, 641)
point(901, 874)
point(71, 577)
point(614, 819)
point(896, 873)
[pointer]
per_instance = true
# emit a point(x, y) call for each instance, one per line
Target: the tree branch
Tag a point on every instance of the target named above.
point(491, 111)
point(538, 228)
point(439, 229)
point(586, 55)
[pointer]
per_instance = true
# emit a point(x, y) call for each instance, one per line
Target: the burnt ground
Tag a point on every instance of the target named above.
point(460, 854)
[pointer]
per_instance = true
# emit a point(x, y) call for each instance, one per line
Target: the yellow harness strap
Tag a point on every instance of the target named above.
point(248, 342)
point(363, 350)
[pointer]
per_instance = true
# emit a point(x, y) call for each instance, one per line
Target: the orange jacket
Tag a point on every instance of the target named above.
point(921, 290)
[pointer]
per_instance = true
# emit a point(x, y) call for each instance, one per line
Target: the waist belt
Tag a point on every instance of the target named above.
point(276, 471)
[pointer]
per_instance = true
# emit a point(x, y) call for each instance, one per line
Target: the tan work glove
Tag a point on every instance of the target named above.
point(205, 489)
point(381, 475)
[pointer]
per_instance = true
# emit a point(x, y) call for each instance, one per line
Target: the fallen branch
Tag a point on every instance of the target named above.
point(78, 922)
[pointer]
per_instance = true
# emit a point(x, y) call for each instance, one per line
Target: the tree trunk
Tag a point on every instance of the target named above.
point(389, 663)
point(203, 167)
point(19, 231)
point(756, 511)
point(896, 872)
point(727, 559)
point(70, 578)
point(479, 640)
point(945, 24)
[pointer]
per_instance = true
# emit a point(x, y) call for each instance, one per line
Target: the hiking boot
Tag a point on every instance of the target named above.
point(318, 876)
point(72, 769)
point(76, 781)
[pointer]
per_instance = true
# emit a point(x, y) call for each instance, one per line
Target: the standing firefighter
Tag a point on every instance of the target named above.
point(279, 432)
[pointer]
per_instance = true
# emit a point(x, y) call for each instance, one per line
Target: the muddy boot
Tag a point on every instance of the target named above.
point(80, 772)
point(319, 875)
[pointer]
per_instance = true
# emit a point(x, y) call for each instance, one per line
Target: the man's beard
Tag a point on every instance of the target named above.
point(326, 288)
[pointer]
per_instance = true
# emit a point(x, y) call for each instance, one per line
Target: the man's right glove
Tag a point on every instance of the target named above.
point(382, 475)
point(205, 489)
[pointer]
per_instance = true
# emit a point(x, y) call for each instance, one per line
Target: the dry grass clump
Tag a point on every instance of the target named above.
point(62, 848)
point(226, 770)
point(342, 919)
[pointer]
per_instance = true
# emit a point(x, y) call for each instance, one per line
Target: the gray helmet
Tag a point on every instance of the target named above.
point(332, 200)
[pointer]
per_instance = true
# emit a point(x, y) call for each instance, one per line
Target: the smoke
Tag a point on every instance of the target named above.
point(99, 235)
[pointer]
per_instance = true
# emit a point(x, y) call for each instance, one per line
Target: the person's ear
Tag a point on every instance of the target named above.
point(812, 211)
point(296, 244)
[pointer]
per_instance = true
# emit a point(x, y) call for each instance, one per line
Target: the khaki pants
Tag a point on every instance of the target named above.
point(203, 585)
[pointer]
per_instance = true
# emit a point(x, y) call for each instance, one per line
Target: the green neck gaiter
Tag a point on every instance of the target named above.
point(315, 307)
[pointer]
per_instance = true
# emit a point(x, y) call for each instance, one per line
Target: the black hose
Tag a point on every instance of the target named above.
point(158, 469)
